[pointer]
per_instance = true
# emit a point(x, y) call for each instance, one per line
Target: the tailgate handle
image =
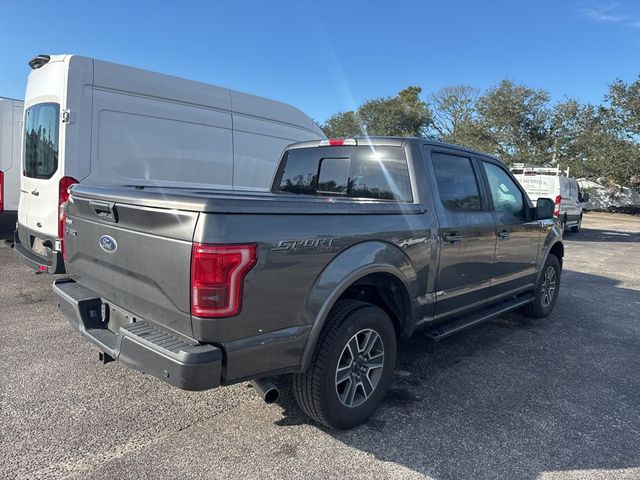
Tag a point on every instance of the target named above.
point(104, 210)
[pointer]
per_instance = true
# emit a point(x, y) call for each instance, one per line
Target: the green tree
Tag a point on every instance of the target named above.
point(342, 124)
point(516, 120)
point(455, 118)
point(403, 115)
point(624, 100)
point(591, 142)
point(453, 109)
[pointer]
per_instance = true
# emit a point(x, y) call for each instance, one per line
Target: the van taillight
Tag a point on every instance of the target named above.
point(1, 192)
point(63, 196)
point(556, 210)
point(217, 278)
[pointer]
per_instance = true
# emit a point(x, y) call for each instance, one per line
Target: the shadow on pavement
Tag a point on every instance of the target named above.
point(515, 397)
point(603, 236)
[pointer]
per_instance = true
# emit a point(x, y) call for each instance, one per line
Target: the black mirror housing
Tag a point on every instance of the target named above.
point(544, 209)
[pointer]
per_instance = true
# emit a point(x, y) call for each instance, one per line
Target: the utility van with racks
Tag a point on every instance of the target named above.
point(555, 184)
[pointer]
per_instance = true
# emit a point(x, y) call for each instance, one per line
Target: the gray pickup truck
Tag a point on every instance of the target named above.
point(360, 242)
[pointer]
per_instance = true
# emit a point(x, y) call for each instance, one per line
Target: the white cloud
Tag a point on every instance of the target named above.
point(609, 14)
point(604, 14)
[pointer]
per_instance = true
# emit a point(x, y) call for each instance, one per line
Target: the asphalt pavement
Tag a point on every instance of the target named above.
point(514, 398)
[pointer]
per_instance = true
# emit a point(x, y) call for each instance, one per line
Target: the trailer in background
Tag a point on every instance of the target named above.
point(10, 142)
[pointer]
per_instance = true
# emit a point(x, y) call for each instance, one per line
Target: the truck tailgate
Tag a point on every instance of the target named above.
point(136, 257)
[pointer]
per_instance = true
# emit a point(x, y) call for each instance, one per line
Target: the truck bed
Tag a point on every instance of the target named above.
point(247, 202)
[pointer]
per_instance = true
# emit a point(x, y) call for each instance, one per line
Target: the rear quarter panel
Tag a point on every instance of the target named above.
point(303, 259)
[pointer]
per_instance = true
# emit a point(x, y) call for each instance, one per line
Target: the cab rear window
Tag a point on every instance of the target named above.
point(41, 140)
point(356, 171)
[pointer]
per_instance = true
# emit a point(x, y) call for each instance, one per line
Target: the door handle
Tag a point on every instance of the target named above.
point(35, 192)
point(504, 234)
point(452, 237)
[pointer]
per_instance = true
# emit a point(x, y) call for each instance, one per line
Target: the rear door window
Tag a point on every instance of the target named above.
point(457, 183)
point(356, 171)
point(41, 140)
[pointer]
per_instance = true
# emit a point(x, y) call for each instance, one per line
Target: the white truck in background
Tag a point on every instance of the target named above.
point(552, 182)
point(10, 142)
point(101, 123)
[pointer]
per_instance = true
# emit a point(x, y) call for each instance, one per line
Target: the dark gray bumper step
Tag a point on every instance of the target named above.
point(182, 362)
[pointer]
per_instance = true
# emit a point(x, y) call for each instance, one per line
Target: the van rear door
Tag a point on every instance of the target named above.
point(41, 169)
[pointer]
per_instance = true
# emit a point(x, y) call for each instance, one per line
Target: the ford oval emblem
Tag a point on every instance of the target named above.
point(108, 243)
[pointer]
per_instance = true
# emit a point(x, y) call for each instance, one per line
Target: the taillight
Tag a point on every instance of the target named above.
point(217, 278)
point(63, 196)
point(337, 142)
point(63, 189)
point(1, 192)
point(556, 210)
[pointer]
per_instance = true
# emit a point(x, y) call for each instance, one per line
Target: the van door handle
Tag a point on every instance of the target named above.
point(452, 237)
point(504, 234)
point(35, 192)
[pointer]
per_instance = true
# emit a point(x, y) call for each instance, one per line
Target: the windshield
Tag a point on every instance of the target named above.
point(41, 140)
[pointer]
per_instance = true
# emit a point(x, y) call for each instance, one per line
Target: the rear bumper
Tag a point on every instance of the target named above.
point(181, 362)
point(53, 265)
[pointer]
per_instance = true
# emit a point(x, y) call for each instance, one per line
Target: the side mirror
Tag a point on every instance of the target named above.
point(584, 197)
point(544, 209)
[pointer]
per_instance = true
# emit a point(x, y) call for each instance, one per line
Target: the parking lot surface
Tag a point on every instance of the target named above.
point(513, 398)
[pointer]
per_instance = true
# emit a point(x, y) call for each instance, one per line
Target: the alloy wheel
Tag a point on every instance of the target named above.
point(359, 368)
point(548, 286)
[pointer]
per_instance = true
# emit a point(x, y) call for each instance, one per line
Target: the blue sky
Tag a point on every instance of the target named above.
point(329, 56)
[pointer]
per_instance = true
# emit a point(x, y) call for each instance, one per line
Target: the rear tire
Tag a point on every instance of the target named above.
point(577, 228)
point(563, 225)
point(546, 291)
point(341, 390)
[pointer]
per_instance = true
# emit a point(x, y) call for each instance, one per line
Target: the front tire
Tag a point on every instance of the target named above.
point(547, 289)
point(351, 368)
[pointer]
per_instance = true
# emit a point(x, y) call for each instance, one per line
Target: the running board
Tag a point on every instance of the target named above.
point(454, 326)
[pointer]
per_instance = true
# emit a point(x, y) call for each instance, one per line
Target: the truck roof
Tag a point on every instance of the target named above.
point(391, 141)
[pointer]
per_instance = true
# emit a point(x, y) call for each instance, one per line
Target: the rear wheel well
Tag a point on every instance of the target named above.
point(385, 291)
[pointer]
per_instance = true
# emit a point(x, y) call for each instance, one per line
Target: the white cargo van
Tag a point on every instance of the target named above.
point(10, 140)
point(100, 123)
point(555, 184)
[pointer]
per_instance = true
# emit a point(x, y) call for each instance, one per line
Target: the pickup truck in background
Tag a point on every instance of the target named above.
point(360, 242)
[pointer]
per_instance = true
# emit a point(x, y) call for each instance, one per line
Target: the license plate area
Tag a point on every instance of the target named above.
point(114, 317)
point(38, 246)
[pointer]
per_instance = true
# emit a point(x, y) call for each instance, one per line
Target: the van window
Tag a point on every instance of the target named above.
point(41, 140)
point(357, 172)
point(456, 182)
point(507, 197)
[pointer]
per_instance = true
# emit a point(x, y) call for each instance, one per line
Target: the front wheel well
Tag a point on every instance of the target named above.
point(558, 250)
point(387, 292)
